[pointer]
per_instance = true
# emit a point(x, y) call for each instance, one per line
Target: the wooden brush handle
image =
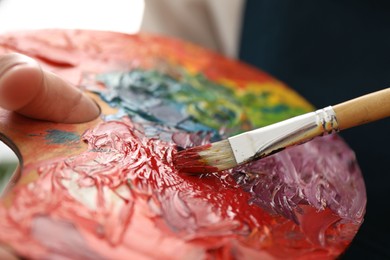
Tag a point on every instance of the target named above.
point(364, 109)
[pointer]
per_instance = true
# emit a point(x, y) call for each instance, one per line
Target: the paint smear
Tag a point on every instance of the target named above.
point(54, 136)
point(122, 198)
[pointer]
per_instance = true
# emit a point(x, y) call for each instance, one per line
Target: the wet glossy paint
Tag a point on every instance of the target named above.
point(121, 197)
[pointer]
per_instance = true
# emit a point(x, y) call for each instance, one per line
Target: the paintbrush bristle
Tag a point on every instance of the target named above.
point(207, 158)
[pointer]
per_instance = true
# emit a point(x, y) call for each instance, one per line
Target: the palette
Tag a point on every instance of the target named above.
point(107, 189)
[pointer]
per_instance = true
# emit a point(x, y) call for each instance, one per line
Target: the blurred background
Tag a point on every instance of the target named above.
point(8, 164)
point(114, 15)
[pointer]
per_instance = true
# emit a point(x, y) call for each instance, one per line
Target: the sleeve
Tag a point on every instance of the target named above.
point(212, 24)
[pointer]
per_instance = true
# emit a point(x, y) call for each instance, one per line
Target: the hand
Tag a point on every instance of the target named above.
point(33, 92)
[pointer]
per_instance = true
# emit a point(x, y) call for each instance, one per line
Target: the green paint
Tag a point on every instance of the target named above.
point(193, 103)
point(55, 136)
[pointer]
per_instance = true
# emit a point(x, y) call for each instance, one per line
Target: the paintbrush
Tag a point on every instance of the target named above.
point(262, 142)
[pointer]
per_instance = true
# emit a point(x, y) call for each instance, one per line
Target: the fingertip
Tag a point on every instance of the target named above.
point(86, 110)
point(6, 254)
point(33, 92)
point(65, 102)
point(20, 81)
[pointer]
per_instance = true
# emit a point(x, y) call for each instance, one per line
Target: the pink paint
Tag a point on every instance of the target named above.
point(123, 197)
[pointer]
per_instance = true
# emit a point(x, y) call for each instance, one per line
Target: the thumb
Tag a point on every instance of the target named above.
point(31, 91)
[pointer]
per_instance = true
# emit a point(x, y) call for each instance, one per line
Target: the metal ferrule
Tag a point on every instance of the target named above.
point(270, 139)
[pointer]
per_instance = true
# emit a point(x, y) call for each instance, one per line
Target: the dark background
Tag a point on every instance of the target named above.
point(331, 51)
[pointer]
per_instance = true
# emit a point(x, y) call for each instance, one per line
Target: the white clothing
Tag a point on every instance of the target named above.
point(214, 24)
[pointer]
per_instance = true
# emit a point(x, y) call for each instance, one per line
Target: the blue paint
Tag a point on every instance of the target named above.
point(161, 104)
point(55, 136)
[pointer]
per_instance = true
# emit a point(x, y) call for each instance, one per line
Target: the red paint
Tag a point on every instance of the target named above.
point(124, 197)
point(189, 161)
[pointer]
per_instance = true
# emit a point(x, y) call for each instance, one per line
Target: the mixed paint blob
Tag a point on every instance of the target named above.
point(122, 197)
point(192, 103)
